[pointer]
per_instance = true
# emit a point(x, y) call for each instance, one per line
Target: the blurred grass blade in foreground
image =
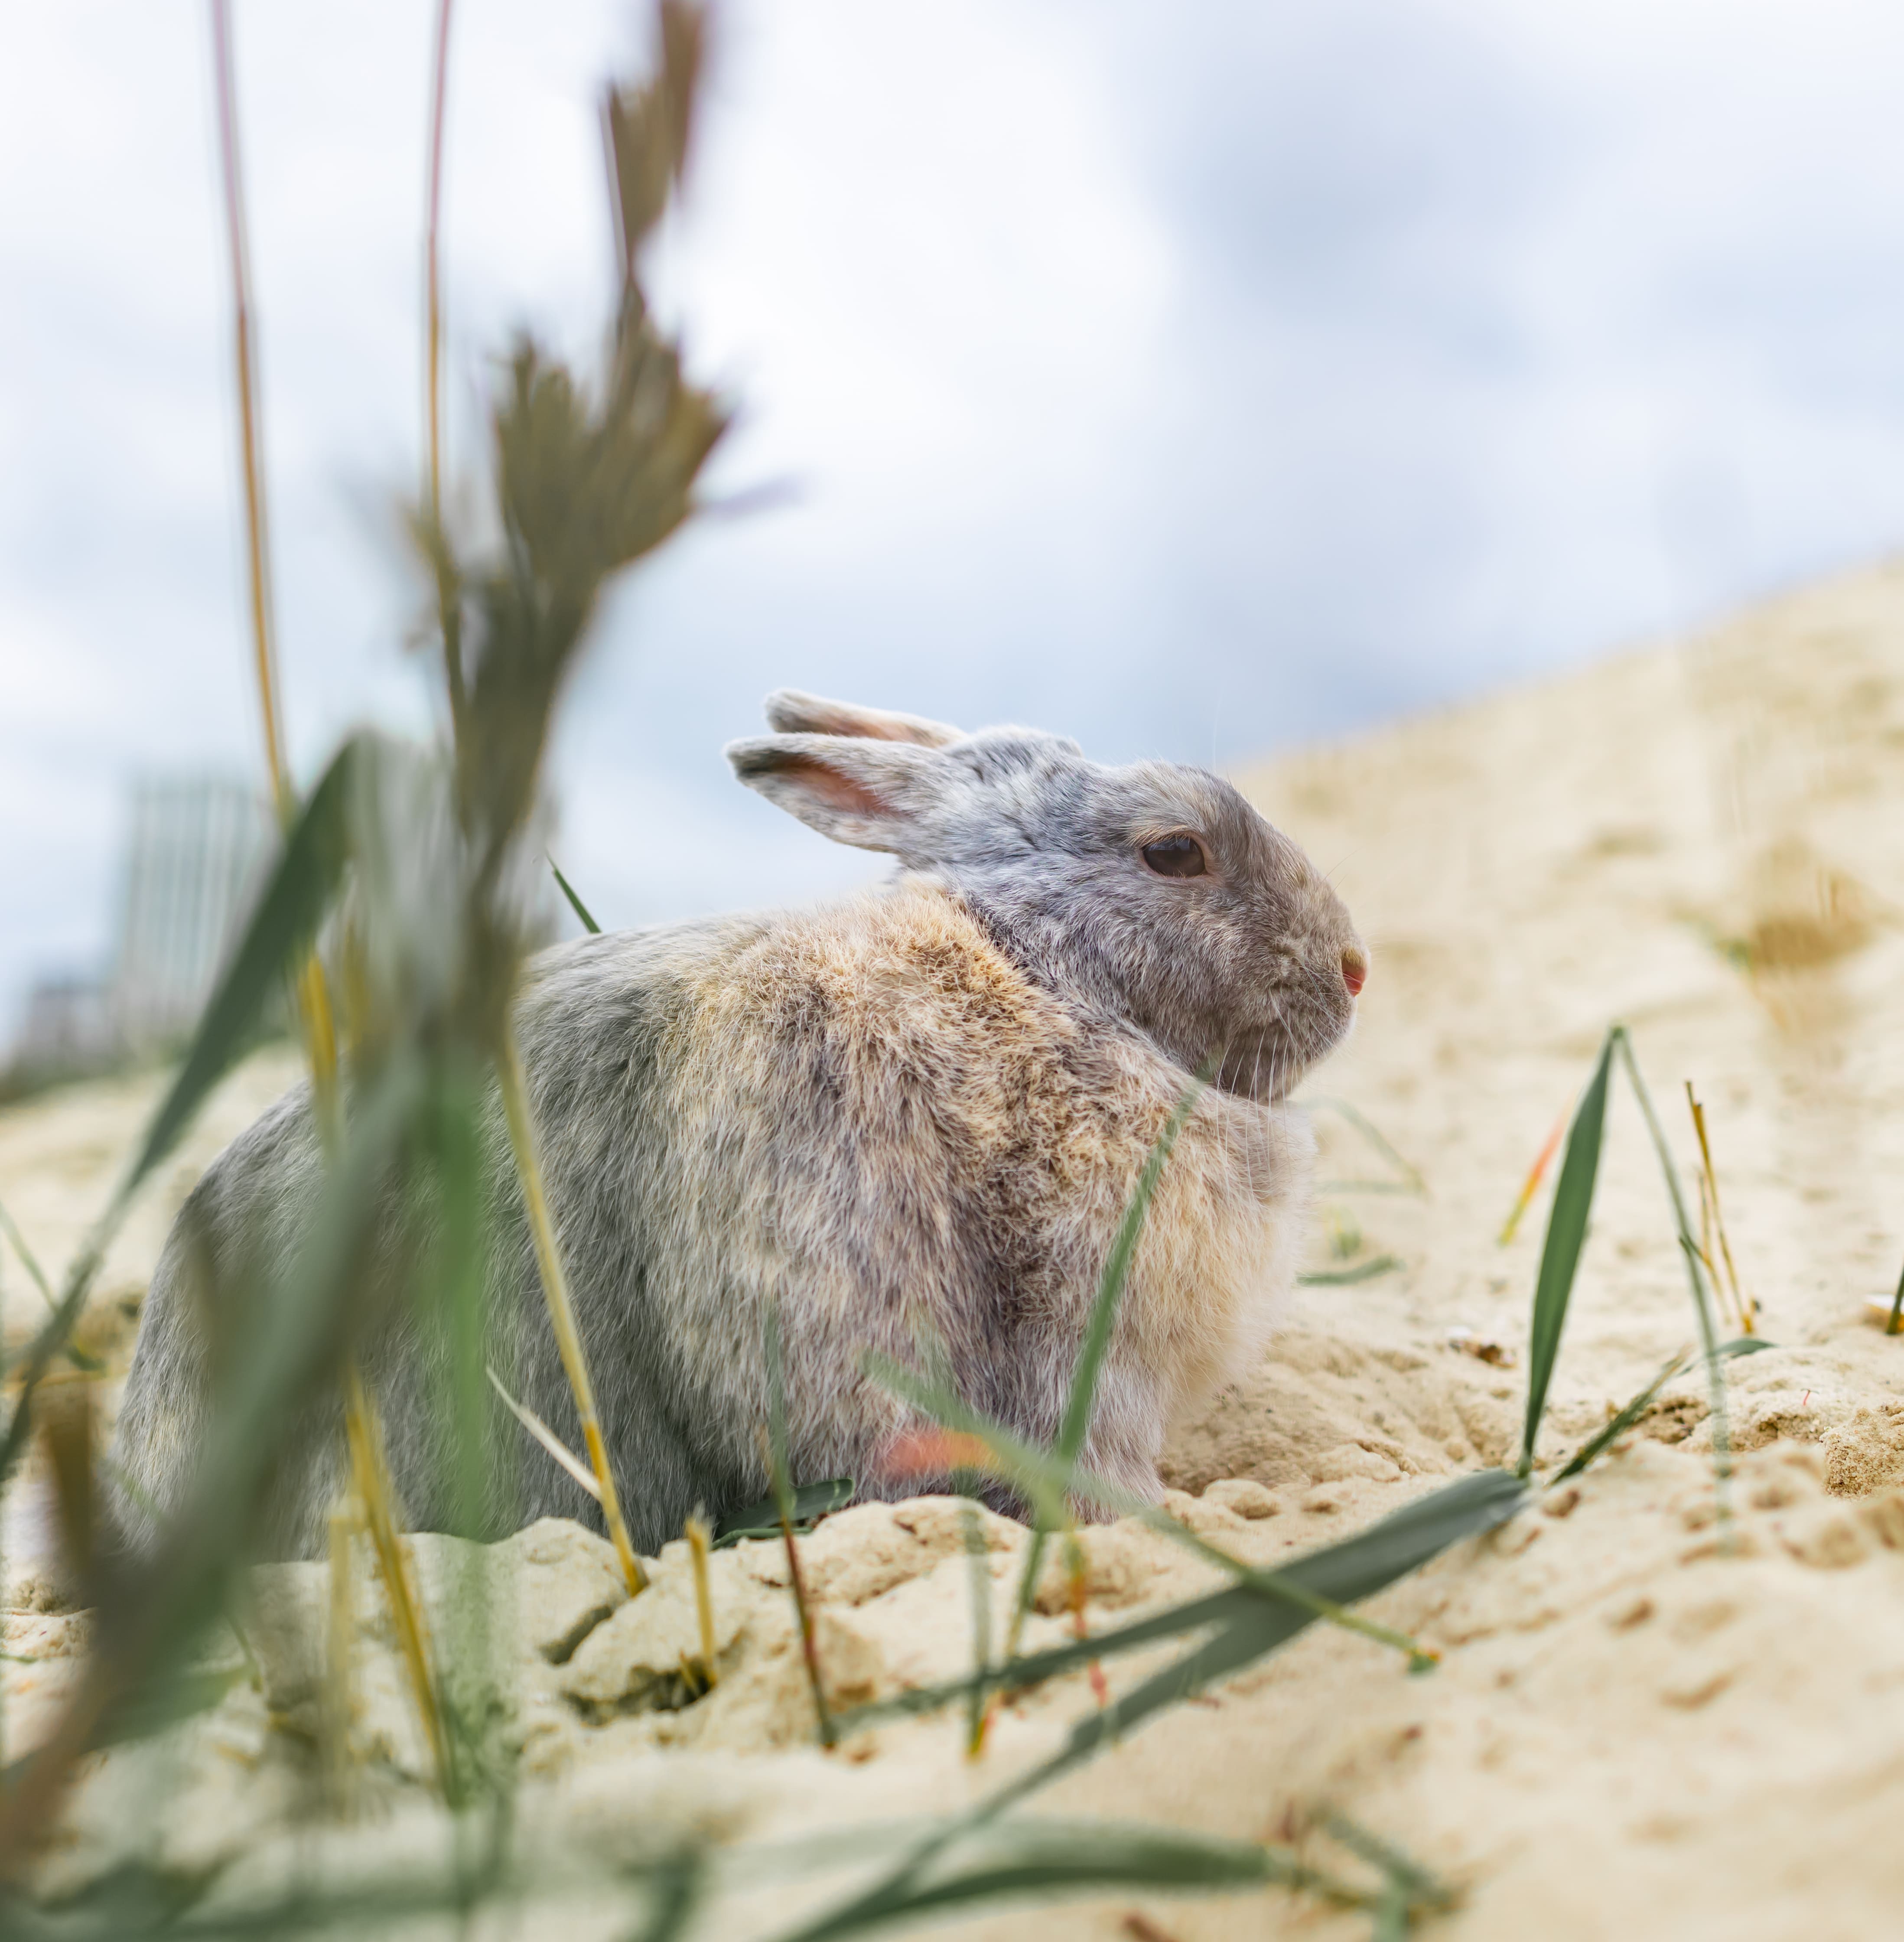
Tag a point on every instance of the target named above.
point(289, 1339)
point(1026, 1859)
point(300, 890)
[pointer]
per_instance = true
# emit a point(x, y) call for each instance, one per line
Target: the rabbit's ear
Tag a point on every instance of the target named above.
point(790, 712)
point(875, 794)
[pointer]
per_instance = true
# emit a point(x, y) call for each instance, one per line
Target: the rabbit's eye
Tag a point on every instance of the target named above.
point(1176, 856)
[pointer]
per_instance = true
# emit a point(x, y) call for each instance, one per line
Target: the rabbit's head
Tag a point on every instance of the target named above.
point(1153, 891)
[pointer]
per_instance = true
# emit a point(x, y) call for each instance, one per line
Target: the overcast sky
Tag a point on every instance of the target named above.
point(1195, 379)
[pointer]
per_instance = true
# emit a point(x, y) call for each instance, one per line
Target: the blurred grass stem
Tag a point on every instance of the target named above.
point(339, 1708)
point(257, 551)
point(448, 605)
point(320, 1029)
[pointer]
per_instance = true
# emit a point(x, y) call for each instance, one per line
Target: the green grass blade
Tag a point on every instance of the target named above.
point(1411, 1181)
point(28, 1260)
point(1418, 1887)
point(1341, 1575)
point(575, 903)
point(811, 1502)
point(1566, 1232)
point(1617, 1425)
point(78, 1357)
point(1075, 1424)
point(1252, 1625)
point(675, 1889)
point(165, 1703)
point(1393, 1921)
point(1349, 1277)
point(1049, 1485)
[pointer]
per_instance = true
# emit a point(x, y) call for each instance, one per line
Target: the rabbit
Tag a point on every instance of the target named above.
point(910, 1118)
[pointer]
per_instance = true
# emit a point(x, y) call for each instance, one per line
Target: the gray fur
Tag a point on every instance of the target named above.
point(911, 1119)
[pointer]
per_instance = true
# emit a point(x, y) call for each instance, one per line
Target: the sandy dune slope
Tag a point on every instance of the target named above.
point(1636, 1726)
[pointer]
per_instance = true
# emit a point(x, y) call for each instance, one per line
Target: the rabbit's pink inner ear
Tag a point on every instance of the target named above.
point(827, 786)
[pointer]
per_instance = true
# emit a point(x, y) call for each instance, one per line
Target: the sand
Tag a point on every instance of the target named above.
point(1634, 1724)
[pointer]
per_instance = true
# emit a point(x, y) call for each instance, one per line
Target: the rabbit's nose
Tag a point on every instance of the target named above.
point(1354, 972)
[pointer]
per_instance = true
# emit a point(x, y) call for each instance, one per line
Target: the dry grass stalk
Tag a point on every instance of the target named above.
point(1709, 1208)
point(257, 550)
point(808, 1644)
point(700, 1541)
point(562, 1313)
point(370, 1480)
point(547, 1438)
point(773, 1450)
point(979, 1565)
